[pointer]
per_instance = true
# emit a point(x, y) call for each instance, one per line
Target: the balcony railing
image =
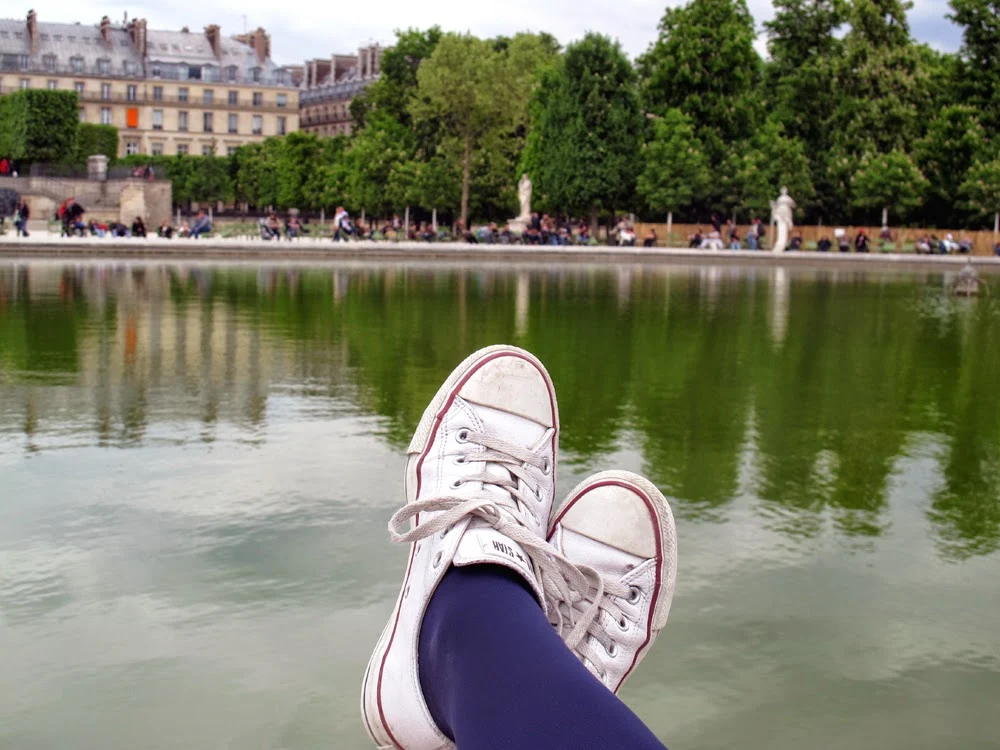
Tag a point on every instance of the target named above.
point(65, 70)
point(176, 101)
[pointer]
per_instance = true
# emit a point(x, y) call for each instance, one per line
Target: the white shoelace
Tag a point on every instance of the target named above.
point(563, 584)
point(585, 615)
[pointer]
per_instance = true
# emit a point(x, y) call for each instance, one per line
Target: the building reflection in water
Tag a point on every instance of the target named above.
point(803, 391)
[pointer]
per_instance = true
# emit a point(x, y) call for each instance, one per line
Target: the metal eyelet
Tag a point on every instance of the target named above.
point(623, 625)
point(462, 436)
point(459, 460)
point(445, 532)
point(633, 595)
point(437, 559)
point(612, 650)
point(457, 483)
point(546, 466)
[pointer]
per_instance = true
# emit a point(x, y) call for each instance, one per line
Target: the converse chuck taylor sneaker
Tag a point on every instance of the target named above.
point(479, 486)
point(621, 526)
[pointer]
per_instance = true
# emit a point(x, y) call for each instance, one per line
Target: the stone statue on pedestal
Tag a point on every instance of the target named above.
point(781, 216)
point(524, 197)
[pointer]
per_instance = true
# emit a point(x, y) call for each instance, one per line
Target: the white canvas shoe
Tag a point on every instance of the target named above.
point(620, 525)
point(479, 486)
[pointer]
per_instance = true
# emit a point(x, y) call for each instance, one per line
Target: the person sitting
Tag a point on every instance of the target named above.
point(184, 230)
point(734, 239)
point(996, 249)
point(342, 227)
point(267, 232)
point(165, 231)
point(843, 243)
point(796, 242)
point(861, 242)
point(293, 227)
point(650, 239)
point(948, 245)
point(138, 227)
point(712, 242)
point(755, 235)
point(95, 229)
point(73, 218)
point(506, 237)
point(118, 229)
point(824, 244)
point(696, 239)
point(923, 245)
point(202, 225)
point(583, 234)
point(965, 245)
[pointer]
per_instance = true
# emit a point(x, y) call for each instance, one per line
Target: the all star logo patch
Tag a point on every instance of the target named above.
point(496, 547)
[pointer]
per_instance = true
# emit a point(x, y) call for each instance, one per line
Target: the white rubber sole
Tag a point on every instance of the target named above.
point(370, 712)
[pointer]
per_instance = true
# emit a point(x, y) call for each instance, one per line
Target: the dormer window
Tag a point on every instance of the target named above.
point(255, 75)
point(49, 61)
point(76, 64)
point(104, 66)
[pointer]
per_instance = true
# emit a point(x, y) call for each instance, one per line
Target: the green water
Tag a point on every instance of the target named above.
point(197, 465)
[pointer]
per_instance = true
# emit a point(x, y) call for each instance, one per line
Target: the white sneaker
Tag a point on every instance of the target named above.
point(619, 524)
point(479, 487)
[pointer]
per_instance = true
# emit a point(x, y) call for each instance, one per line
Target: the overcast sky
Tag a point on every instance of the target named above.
point(301, 30)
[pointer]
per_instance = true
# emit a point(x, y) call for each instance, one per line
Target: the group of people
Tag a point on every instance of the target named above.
point(729, 238)
point(70, 215)
point(271, 227)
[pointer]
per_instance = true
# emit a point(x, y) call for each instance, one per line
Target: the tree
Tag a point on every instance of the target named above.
point(675, 170)
point(371, 164)
point(39, 125)
point(756, 171)
point(94, 139)
point(704, 64)
point(982, 190)
point(979, 78)
point(889, 181)
point(583, 146)
point(955, 140)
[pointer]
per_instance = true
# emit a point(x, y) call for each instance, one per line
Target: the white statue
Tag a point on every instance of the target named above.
point(781, 215)
point(524, 195)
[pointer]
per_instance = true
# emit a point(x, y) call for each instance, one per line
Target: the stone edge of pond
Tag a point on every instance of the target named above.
point(221, 250)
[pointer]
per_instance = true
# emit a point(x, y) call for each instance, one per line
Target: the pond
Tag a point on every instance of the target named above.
point(198, 462)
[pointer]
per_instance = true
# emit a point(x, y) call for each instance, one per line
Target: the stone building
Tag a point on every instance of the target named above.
point(167, 92)
point(329, 85)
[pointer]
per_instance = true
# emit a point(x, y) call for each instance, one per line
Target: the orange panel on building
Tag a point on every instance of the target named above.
point(132, 117)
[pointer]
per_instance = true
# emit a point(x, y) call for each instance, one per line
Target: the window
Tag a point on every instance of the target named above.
point(282, 126)
point(231, 150)
point(132, 93)
point(83, 115)
point(231, 74)
point(258, 99)
point(105, 91)
point(282, 100)
point(233, 123)
point(76, 64)
point(25, 84)
point(207, 121)
point(182, 148)
point(157, 119)
point(182, 120)
point(208, 150)
point(105, 115)
point(281, 77)
point(157, 93)
point(156, 149)
point(156, 70)
point(131, 147)
point(132, 117)
point(207, 97)
point(104, 66)
point(78, 86)
point(53, 85)
point(130, 68)
point(23, 62)
point(234, 98)
point(49, 61)
point(182, 94)
point(258, 125)
point(194, 72)
point(255, 75)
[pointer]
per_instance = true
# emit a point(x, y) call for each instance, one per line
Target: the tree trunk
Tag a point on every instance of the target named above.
point(593, 222)
point(996, 222)
point(670, 227)
point(466, 170)
point(406, 223)
point(885, 217)
point(434, 220)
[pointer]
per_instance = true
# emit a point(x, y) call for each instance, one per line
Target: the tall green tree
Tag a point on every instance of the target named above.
point(891, 182)
point(979, 77)
point(981, 189)
point(955, 140)
point(39, 125)
point(583, 146)
point(675, 170)
point(704, 63)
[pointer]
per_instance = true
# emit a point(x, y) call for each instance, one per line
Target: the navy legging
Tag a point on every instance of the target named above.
point(496, 675)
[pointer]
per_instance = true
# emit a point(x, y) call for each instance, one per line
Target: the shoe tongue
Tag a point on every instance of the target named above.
point(522, 432)
point(610, 562)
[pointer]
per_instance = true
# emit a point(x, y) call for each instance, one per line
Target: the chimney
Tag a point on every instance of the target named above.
point(261, 44)
point(33, 31)
point(361, 62)
point(212, 33)
point(106, 31)
point(137, 31)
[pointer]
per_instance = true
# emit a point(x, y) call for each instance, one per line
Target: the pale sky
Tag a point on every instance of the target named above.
point(301, 30)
